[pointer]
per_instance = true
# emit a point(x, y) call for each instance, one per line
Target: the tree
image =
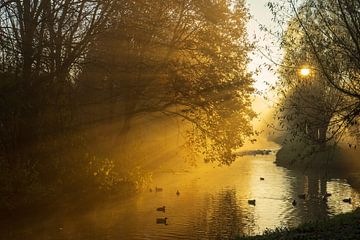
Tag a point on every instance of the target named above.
point(67, 65)
point(42, 45)
point(191, 64)
point(328, 43)
point(308, 104)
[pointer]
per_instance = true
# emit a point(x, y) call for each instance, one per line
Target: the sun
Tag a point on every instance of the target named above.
point(305, 71)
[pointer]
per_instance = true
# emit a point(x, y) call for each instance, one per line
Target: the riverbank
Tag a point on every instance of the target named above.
point(344, 226)
point(330, 162)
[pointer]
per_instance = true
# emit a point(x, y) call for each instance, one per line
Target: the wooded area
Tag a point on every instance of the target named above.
point(69, 66)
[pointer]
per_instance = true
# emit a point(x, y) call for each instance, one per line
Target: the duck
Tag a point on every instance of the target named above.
point(158, 189)
point(347, 200)
point(161, 209)
point(262, 179)
point(328, 194)
point(150, 190)
point(294, 202)
point(252, 202)
point(325, 197)
point(162, 221)
point(302, 196)
point(177, 192)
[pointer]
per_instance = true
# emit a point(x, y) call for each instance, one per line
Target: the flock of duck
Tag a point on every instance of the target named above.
point(301, 196)
point(163, 208)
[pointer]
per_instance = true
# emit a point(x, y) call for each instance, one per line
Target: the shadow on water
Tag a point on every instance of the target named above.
point(212, 204)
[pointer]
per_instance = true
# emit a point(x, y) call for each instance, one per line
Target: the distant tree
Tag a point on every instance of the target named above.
point(308, 104)
point(328, 33)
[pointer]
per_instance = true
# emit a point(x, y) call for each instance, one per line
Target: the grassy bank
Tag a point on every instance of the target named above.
point(345, 226)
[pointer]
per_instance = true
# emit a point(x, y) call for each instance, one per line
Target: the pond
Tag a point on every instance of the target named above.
point(212, 203)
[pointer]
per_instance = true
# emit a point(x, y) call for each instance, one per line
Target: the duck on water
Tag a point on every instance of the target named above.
point(161, 209)
point(162, 221)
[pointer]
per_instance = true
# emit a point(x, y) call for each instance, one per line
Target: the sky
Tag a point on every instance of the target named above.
point(261, 15)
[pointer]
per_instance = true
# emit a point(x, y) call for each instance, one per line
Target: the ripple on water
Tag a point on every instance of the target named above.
point(212, 205)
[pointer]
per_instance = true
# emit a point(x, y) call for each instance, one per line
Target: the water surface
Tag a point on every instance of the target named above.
point(213, 204)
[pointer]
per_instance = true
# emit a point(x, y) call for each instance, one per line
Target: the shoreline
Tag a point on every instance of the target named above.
point(343, 226)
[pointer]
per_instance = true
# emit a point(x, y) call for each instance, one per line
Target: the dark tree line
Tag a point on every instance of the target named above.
point(66, 66)
point(42, 47)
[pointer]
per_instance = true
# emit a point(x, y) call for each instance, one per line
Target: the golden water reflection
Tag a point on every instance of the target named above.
point(212, 205)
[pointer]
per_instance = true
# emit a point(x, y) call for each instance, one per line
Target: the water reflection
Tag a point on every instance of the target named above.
point(220, 217)
point(213, 204)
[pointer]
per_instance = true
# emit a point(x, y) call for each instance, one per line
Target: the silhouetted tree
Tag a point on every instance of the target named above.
point(184, 59)
point(327, 39)
point(308, 104)
point(42, 46)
